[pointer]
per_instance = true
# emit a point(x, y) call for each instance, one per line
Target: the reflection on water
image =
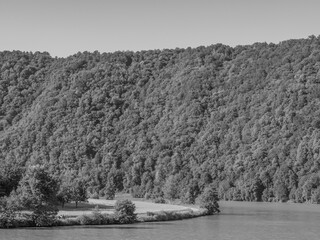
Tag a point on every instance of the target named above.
point(238, 220)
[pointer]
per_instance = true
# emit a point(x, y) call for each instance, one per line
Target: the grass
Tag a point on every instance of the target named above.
point(101, 212)
point(84, 206)
point(71, 211)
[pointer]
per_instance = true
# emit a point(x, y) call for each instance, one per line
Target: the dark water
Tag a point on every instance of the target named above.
point(237, 221)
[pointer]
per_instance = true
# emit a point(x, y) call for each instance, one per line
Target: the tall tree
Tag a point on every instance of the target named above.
point(37, 192)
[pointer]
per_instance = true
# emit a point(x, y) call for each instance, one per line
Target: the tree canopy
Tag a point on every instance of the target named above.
point(167, 122)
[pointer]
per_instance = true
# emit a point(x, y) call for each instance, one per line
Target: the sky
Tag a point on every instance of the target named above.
point(65, 27)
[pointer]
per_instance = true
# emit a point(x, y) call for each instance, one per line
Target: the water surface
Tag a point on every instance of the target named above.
point(238, 220)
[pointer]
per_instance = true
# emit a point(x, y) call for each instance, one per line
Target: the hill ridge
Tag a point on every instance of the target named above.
point(168, 122)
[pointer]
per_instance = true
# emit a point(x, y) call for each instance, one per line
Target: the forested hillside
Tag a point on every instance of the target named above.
point(167, 123)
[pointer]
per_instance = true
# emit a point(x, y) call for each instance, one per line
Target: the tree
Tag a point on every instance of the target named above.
point(257, 189)
point(110, 191)
point(78, 191)
point(171, 188)
point(64, 194)
point(192, 191)
point(10, 175)
point(37, 191)
point(124, 210)
point(123, 118)
point(209, 200)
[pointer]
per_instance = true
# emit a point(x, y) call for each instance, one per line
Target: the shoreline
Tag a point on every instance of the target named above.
point(142, 207)
point(154, 212)
point(146, 211)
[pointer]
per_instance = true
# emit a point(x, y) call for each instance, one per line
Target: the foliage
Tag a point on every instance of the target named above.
point(78, 192)
point(43, 216)
point(170, 215)
point(7, 214)
point(171, 188)
point(124, 211)
point(109, 191)
point(37, 192)
point(166, 122)
point(209, 200)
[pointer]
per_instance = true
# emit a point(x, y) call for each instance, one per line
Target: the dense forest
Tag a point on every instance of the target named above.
point(167, 123)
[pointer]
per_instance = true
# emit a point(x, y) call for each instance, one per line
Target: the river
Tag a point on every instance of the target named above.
point(237, 220)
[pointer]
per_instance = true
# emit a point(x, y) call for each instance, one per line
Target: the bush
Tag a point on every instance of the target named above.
point(169, 215)
point(43, 216)
point(96, 219)
point(69, 222)
point(7, 217)
point(209, 200)
point(109, 219)
point(315, 196)
point(124, 211)
point(85, 220)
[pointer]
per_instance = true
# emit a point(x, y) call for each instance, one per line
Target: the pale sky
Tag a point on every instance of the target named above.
point(65, 27)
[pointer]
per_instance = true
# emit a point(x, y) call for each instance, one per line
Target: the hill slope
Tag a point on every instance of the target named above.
point(246, 119)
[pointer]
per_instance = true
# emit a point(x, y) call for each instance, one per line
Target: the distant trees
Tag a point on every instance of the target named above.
point(171, 189)
point(166, 123)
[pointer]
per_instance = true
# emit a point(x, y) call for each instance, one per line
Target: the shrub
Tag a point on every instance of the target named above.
point(109, 219)
point(124, 211)
point(7, 216)
point(315, 196)
point(43, 217)
point(84, 220)
point(96, 219)
point(69, 222)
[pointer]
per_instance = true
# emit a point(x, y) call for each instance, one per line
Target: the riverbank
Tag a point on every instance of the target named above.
point(238, 220)
point(142, 207)
point(102, 212)
point(146, 212)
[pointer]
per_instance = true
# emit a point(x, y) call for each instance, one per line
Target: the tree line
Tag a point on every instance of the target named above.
point(166, 123)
